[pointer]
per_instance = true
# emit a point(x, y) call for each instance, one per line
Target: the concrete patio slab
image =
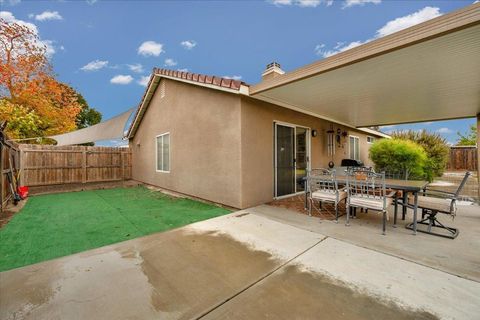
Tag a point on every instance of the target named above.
point(459, 257)
point(245, 265)
point(173, 275)
point(420, 292)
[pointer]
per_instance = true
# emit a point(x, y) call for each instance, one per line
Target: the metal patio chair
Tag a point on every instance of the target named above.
point(323, 187)
point(433, 202)
point(366, 190)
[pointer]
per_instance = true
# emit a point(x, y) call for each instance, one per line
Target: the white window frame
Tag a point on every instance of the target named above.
point(349, 146)
point(169, 152)
point(372, 138)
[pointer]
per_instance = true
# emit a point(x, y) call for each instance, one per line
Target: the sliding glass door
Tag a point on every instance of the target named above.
point(291, 158)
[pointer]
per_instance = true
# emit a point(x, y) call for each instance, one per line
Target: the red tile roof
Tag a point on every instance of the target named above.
point(201, 78)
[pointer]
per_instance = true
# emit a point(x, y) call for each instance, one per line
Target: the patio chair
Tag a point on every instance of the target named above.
point(366, 190)
point(433, 202)
point(323, 187)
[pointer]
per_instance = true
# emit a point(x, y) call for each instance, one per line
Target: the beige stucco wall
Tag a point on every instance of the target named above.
point(204, 126)
point(222, 144)
point(258, 146)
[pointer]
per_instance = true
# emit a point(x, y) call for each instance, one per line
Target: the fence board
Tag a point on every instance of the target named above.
point(45, 165)
point(463, 158)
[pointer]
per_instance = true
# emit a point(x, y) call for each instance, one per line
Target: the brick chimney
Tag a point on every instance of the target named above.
point(273, 70)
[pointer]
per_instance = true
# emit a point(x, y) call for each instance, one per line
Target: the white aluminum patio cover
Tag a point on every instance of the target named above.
point(111, 129)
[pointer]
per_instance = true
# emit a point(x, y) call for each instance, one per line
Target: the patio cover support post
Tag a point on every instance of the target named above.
point(478, 155)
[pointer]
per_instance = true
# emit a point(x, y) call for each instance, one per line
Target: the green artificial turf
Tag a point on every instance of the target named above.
point(55, 225)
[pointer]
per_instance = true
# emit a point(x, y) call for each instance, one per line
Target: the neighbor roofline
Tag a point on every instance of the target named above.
point(434, 28)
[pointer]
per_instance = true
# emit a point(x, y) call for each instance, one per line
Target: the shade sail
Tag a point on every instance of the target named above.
point(111, 129)
point(427, 72)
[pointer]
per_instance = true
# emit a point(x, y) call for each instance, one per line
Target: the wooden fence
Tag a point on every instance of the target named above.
point(43, 165)
point(9, 162)
point(462, 158)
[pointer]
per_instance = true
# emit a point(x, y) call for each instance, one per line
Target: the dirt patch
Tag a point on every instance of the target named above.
point(297, 204)
point(10, 211)
point(294, 294)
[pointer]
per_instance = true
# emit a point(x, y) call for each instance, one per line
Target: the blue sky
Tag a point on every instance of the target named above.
point(105, 48)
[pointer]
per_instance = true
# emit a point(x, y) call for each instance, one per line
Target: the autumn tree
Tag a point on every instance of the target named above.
point(27, 81)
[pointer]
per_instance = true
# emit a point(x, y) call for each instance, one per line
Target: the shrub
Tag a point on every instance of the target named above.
point(399, 156)
point(434, 145)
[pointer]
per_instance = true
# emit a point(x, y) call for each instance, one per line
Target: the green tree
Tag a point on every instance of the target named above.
point(87, 116)
point(434, 145)
point(399, 156)
point(469, 139)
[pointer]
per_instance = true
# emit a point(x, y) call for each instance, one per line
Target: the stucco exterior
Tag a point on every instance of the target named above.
point(222, 144)
point(204, 126)
point(258, 120)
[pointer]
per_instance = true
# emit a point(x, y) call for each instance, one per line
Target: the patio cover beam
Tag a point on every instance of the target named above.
point(427, 72)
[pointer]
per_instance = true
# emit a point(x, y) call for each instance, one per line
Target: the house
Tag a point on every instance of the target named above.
point(240, 145)
point(206, 137)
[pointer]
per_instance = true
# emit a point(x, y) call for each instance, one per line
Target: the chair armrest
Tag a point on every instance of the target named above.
point(437, 191)
point(443, 195)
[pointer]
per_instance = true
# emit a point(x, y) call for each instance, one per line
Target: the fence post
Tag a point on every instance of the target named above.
point(2, 176)
point(122, 165)
point(84, 166)
point(21, 181)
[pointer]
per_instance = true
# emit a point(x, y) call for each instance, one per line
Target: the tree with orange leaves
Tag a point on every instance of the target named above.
point(27, 82)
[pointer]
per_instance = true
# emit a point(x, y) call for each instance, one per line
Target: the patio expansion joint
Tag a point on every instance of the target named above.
point(262, 278)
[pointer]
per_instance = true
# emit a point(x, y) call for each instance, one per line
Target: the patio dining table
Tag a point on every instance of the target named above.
point(406, 186)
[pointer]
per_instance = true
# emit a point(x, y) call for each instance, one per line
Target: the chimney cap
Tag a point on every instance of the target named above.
point(273, 64)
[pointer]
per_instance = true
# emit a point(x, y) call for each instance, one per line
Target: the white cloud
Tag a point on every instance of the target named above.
point(95, 65)
point(390, 27)
point(150, 48)
point(170, 62)
point(91, 2)
point(143, 81)
point(50, 47)
point(233, 77)
point(183, 70)
point(351, 3)
point(137, 67)
point(121, 79)
point(444, 130)
point(48, 15)
point(339, 47)
point(188, 44)
point(300, 3)
point(401, 23)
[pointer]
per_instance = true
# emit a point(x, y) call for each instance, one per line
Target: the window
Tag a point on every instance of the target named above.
point(163, 152)
point(370, 139)
point(354, 148)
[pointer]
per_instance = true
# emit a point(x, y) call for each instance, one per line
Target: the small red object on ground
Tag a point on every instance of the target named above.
point(23, 192)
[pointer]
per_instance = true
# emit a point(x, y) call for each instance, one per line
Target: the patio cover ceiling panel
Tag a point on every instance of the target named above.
point(436, 79)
